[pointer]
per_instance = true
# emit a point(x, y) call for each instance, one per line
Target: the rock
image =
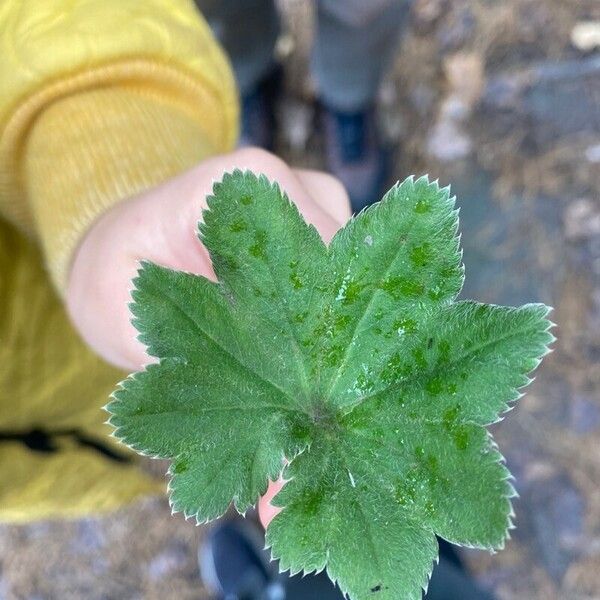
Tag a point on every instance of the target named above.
point(585, 36)
point(168, 561)
point(505, 91)
point(286, 45)
point(422, 98)
point(447, 141)
point(565, 96)
point(390, 119)
point(582, 219)
point(551, 99)
point(466, 77)
point(583, 576)
point(556, 521)
point(592, 153)
point(90, 536)
point(454, 108)
point(426, 14)
point(456, 30)
point(585, 415)
point(296, 120)
point(512, 249)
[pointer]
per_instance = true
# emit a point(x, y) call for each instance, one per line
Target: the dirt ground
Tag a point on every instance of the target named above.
point(501, 99)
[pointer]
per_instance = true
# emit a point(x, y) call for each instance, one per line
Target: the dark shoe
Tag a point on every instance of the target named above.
point(355, 154)
point(258, 119)
point(450, 580)
point(235, 566)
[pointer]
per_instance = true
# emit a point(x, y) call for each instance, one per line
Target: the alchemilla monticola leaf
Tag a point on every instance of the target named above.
point(351, 364)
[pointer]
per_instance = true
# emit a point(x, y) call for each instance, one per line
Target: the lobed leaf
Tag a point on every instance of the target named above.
point(354, 363)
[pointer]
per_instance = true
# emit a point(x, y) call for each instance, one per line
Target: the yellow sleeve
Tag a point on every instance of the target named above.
point(99, 100)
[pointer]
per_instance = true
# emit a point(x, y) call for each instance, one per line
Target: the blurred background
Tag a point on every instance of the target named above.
point(502, 100)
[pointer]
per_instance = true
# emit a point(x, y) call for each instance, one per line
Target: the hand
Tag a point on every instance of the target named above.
point(160, 225)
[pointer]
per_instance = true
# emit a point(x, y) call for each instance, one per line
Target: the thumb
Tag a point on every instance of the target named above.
point(160, 225)
point(266, 511)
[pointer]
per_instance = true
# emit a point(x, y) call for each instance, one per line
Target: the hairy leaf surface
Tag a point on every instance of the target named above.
point(351, 364)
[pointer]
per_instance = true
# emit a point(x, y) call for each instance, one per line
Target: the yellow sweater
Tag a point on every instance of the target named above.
point(99, 100)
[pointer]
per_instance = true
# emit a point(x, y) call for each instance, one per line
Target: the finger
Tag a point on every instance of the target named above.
point(328, 192)
point(161, 226)
point(301, 189)
point(156, 226)
point(266, 511)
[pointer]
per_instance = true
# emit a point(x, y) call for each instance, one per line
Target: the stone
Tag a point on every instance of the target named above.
point(456, 31)
point(422, 98)
point(582, 219)
point(585, 36)
point(466, 76)
point(297, 118)
point(556, 520)
point(447, 142)
point(90, 536)
point(592, 153)
point(167, 562)
point(551, 99)
point(585, 415)
point(426, 13)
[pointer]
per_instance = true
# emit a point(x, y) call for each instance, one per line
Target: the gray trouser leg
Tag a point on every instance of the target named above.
point(248, 30)
point(354, 44)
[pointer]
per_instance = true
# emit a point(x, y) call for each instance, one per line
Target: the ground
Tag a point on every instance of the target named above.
point(501, 99)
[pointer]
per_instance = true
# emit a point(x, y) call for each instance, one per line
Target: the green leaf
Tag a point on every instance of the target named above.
point(353, 365)
point(393, 264)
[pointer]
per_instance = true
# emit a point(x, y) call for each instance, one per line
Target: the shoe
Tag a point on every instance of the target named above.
point(355, 154)
point(258, 118)
point(235, 566)
point(450, 580)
